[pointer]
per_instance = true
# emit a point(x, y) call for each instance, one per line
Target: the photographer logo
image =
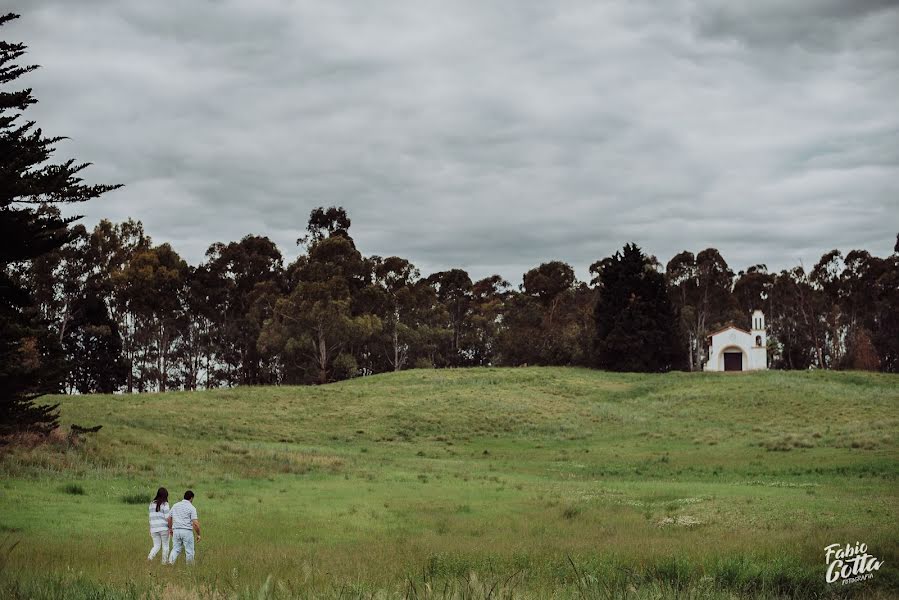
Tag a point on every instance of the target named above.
point(849, 563)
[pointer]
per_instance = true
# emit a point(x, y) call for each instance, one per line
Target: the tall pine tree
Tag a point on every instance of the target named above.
point(635, 325)
point(27, 180)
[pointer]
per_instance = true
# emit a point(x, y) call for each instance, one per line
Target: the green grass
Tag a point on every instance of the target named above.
point(471, 483)
point(136, 498)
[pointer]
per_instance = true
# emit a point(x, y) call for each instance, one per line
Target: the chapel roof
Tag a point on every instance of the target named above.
point(723, 329)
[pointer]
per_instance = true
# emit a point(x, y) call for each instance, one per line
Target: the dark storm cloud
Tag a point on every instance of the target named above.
point(816, 24)
point(487, 135)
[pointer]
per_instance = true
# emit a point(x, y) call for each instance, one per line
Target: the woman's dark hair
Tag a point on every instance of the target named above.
point(162, 495)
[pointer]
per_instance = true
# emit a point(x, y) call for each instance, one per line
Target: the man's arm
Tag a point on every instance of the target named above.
point(196, 526)
point(170, 524)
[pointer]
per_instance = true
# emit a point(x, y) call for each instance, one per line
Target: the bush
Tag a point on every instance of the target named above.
point(862, 354)
point(345, 366)
point(423, 363)
point(74, 489)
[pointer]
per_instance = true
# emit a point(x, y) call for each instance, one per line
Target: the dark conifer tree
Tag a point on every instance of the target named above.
point(27, 180)
point(635, 325)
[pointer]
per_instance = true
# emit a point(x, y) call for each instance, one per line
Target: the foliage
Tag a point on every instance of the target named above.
point(231, 297)
point(242, 318)
point(550, 322)
point(345, 366)
point(862, 354)
point(28, 179)
point(635, 328)
point(701, 295)
point(93, 343)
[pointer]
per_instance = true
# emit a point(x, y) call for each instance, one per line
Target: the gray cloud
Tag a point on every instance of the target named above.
point(490, 136)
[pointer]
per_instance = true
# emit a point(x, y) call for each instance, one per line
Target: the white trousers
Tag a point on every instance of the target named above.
point(160, 541)
point(183, 539)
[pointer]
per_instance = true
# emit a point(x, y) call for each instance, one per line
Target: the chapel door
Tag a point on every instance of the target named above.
point(733, 361)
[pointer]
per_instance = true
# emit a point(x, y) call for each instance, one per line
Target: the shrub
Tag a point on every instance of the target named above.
point(423, 363)
point(345, 366)
point(862, 354)
point(74, 489)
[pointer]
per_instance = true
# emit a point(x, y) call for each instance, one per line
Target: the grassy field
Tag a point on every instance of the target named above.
point(531, 482)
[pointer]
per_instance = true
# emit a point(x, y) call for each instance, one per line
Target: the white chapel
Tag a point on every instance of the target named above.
point(736, 349)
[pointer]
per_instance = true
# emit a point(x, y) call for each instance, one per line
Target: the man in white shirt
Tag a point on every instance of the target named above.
point(183, 522)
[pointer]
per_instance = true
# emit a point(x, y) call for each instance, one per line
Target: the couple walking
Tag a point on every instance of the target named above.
point(178, 522)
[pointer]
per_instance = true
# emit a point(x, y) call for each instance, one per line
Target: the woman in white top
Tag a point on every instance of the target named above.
point(159, 524)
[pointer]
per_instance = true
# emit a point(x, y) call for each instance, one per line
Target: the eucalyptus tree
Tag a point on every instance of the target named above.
point(701, 293)
point(315, 326)
point(452, 293)
point(550, 320)
point(241, 281)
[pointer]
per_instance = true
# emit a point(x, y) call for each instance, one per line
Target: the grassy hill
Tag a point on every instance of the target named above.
point(450, 483)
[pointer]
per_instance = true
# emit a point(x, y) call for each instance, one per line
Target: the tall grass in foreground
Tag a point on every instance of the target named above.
point(444, 577)
point(468, 588)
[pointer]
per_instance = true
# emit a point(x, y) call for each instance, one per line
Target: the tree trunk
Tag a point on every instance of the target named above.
point(396, 350)
point(64, 322)
point(161, 358)
point(322, 358)
point(129, 345)
point(131, 372)
point(690, 349)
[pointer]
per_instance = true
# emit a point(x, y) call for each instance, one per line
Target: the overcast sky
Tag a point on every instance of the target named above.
point(485, 135)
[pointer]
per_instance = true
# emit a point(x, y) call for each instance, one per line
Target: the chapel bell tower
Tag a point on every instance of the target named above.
point(758, 328)
point(759, 351)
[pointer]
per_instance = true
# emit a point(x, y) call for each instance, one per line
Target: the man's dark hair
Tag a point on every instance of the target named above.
point(188, 495)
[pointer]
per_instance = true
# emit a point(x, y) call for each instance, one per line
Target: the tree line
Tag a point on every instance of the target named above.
point(130, 315)
point(107, 310)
